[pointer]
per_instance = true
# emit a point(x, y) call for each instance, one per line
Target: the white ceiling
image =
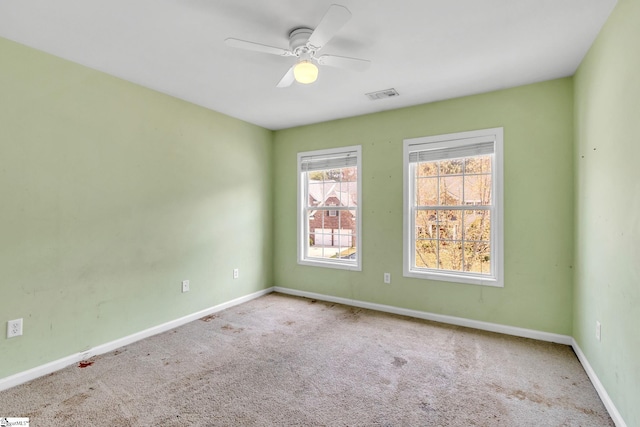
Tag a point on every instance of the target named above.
point(427, 50)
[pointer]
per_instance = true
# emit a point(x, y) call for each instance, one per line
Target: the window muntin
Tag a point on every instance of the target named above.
point(329, 207)
point(453, 195)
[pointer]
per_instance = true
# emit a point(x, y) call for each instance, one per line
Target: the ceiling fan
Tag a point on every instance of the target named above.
point(304, 44)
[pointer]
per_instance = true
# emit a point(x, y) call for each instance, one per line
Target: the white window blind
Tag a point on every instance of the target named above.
point(432, 152)
point(328, 161)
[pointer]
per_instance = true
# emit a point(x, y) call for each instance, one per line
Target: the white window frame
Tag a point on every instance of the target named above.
point(452, 141)
point(302, 223)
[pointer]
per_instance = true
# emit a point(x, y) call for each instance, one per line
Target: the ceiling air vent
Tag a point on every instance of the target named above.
point(387, 93)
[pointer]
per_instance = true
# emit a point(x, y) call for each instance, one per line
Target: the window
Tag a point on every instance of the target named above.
point(329, 205)
point(453, 207)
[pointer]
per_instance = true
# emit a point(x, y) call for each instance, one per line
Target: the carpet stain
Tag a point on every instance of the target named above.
point(399, 362)
point(523, 395)
point(540, 399)
point(76, 400)
point(587, 411)
point(209, 318)
point(289, 322)
point(352, 314)
point(32, 414)
point(64, 416)
point(426, 407)
point(228, 327)
point(85, 363)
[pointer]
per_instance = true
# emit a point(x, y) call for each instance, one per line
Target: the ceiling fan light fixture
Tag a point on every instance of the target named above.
point(305, 72)
point(304, 45)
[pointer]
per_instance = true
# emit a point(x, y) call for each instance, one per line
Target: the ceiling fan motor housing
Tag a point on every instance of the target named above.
point(298, 39)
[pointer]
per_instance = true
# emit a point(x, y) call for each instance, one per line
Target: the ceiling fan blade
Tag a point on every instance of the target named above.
point(331, 22)
point(344, 62)
point(288, 79)
point(257, 47)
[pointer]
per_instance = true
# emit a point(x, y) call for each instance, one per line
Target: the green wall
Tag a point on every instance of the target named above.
point(538, 141)
point(111, 195)
point(607, 159)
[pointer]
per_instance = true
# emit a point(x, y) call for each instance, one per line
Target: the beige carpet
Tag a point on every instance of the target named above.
point(281, 360)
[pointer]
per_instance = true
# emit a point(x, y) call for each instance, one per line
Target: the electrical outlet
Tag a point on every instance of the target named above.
point(598, 330)
point(387, 278)
point(236, 273)
point(185, 286)
point(14, 328)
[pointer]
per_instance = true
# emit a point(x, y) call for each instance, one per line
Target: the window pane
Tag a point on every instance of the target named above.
point(477, 257)
point(338, 184)
point(332, 232)
point(347, 189)
point(450, 167)
point(349, 174)
point(426, 225)
point(477, 189)
point(353, 193)
point(480, 164)
point(321, 243)
point(451, 190)
point(316, 192)
point(450, 225)
point(332, 237)
point(427, 191)
point(345, 239)
point(450, 255)
point(477, 225)
point(426, 256)
point(427, 169)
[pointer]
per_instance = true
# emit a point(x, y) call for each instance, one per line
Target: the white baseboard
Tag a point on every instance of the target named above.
point(452, 320)
point(31, 374)
point(602, 392)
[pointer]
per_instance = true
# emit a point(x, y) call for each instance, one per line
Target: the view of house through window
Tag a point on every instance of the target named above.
point(453, 194)
point(329, 205)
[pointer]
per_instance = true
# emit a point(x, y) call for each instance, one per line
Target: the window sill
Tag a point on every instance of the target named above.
point(329, 264)
point(452, 277)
